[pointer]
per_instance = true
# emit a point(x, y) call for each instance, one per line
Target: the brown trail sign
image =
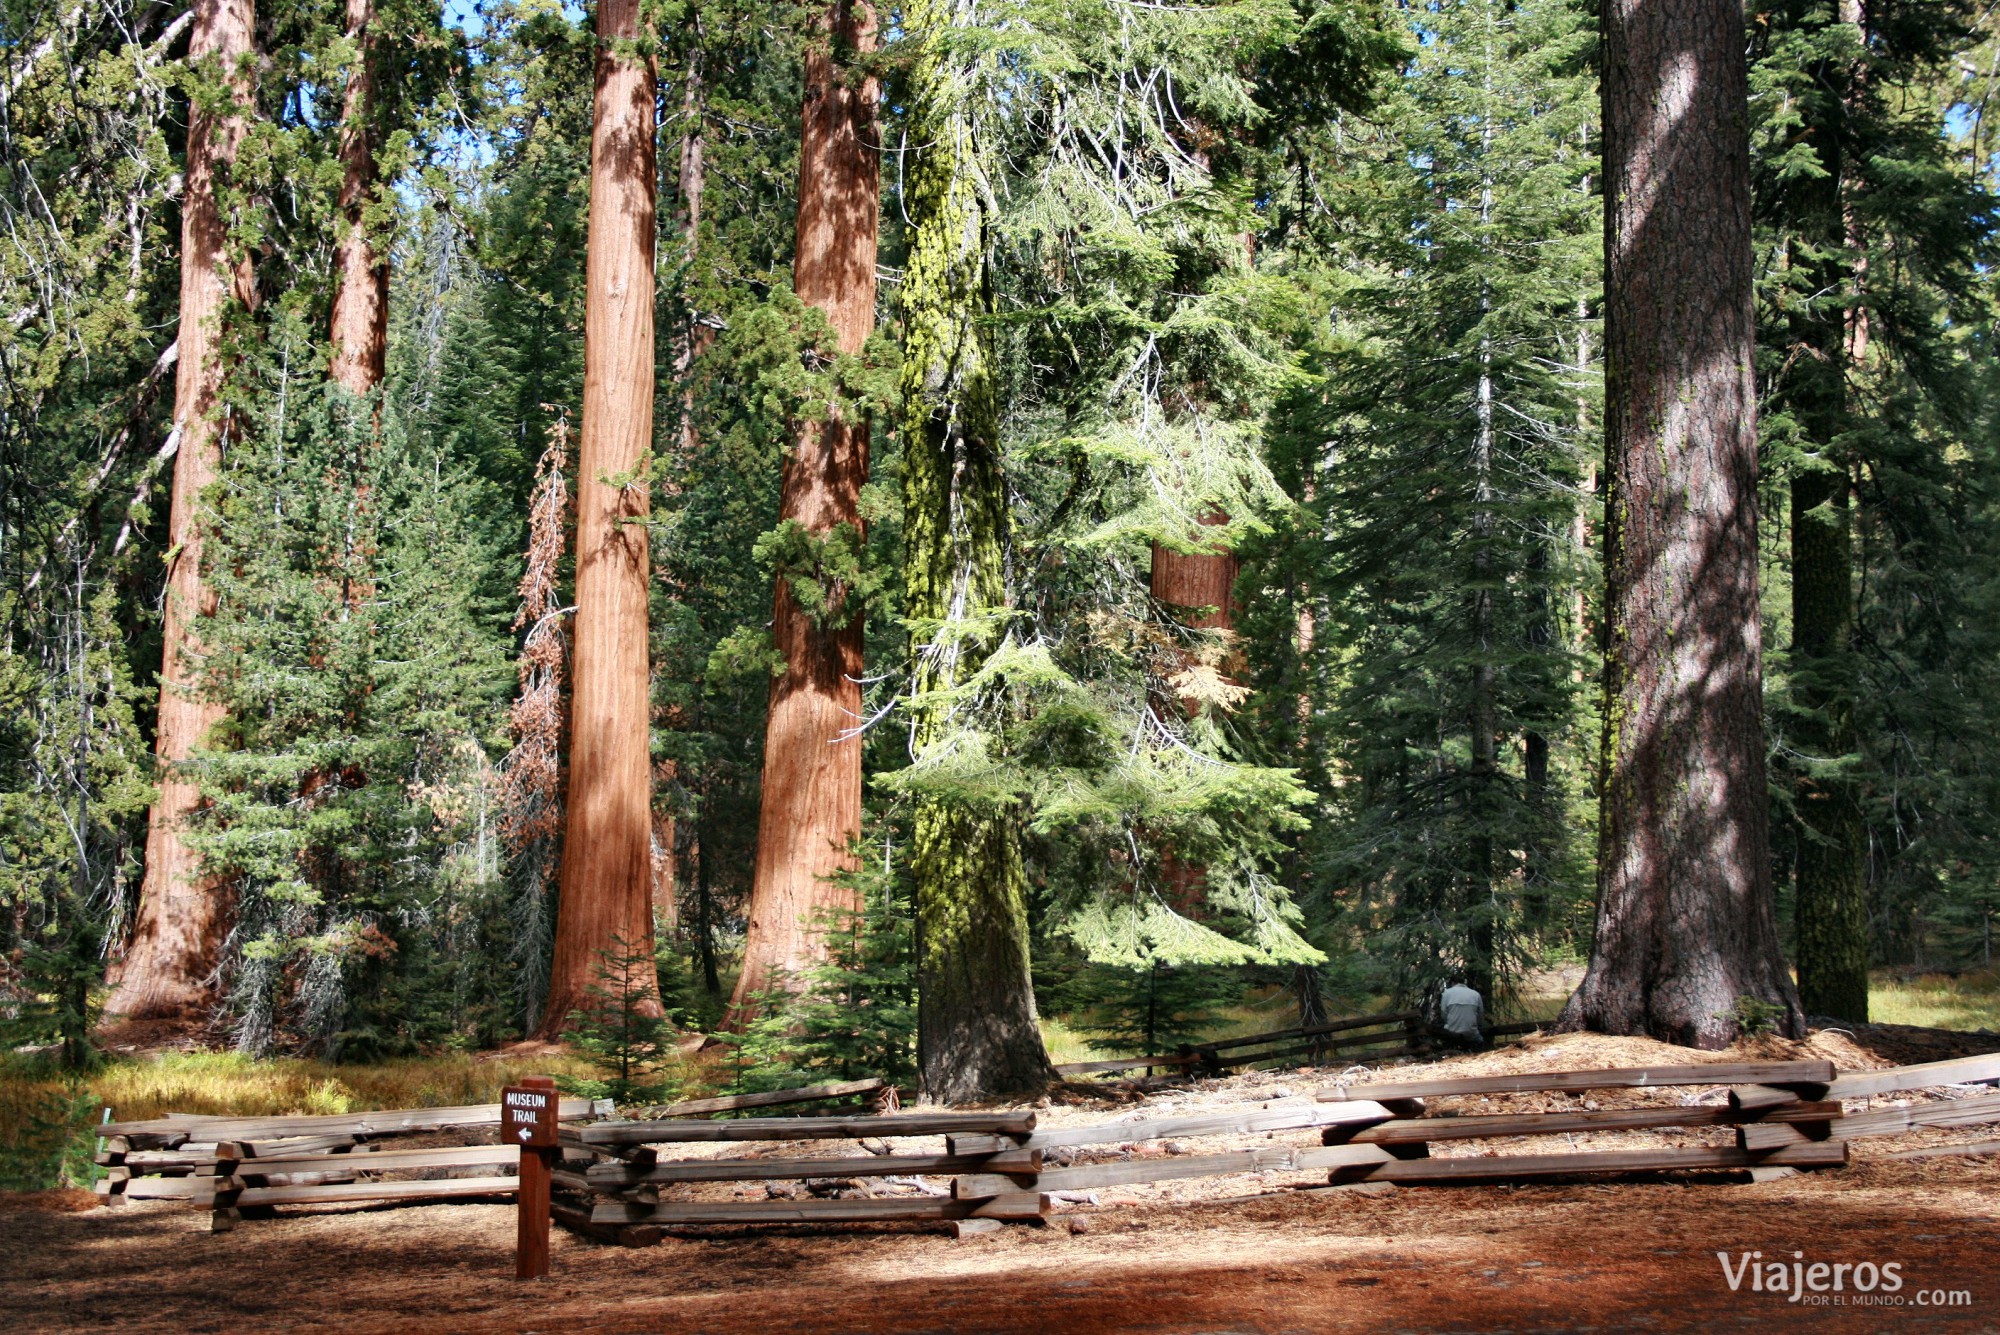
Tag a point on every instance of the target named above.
point(528, 1120)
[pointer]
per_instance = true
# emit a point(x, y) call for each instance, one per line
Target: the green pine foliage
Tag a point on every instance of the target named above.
point(1137, 351)
point(1312, 280)
point(1147, 1011)
point(1443, 458)
point(856, 1015)
point(1876, 210)
point(351, 791)
point(51, 1139)
point(620, 1027)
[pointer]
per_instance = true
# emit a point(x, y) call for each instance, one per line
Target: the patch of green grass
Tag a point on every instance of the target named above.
point(1261, 1011)
point(1936, 1001)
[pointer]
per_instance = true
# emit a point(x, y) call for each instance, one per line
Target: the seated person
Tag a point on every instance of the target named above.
point(1462, 1008)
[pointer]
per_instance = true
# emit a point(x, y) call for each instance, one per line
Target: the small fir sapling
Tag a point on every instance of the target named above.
point(617, 1029)
point(857, 1015)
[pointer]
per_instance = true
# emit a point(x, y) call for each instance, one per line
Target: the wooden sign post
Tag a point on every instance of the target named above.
point(528, 1119)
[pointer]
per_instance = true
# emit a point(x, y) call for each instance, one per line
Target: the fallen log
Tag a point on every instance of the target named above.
point(1794, 1073)
point(1016, 1126)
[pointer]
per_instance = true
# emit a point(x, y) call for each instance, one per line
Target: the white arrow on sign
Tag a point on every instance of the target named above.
point(527, 1133)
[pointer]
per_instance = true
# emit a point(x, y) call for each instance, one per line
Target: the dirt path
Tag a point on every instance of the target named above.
point(1177, 1257)
point(1568, 1258)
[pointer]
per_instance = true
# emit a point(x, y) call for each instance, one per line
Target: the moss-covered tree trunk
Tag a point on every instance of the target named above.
point(811, 799)
point(1685, 926)
point(184, 916)
point(977, 1035)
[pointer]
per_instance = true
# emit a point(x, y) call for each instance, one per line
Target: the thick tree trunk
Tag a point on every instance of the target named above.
point(607, 857)
point(183, 916)
point(361, 269)
point(812, 744)
point(977, 1035)
point(1684, 917)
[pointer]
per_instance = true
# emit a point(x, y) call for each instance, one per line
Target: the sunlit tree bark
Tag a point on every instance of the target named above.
point(361, 269)
point(812, 746)
point(606, 895)
point(183, 917)
point(1684, 919)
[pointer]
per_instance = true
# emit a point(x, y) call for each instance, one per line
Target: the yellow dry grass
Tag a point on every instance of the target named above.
point(1937, 1001)
point(228, 1083)
point(37, 1115)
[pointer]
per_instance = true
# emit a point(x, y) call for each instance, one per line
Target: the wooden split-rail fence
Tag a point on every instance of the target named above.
point(621, 1181)
point(1371, 1038)
point(1786, 1116)
point(238, 1166)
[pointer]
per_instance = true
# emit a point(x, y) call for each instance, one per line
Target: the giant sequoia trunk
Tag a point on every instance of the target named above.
point(607, 849)
point(977, 1035)
point(361, 269)
point(1684, 918)
point(183, 916)
point(812, 744)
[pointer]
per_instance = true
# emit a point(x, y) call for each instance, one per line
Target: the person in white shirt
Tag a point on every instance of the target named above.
point(1463, 1009)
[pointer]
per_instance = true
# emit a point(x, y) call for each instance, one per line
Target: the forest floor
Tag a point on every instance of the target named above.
point(1262, 1253)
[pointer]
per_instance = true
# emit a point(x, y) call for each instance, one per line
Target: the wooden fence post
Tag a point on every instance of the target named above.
point(528, 1119)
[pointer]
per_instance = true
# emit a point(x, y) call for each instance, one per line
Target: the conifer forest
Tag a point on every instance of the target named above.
point(806, 540)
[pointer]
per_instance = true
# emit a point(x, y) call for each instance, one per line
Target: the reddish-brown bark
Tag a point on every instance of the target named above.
point(607, 848)
point(182, 915)
point(361, 269)
point(1187, 580)
point(1684, 919)
point(812, 749)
